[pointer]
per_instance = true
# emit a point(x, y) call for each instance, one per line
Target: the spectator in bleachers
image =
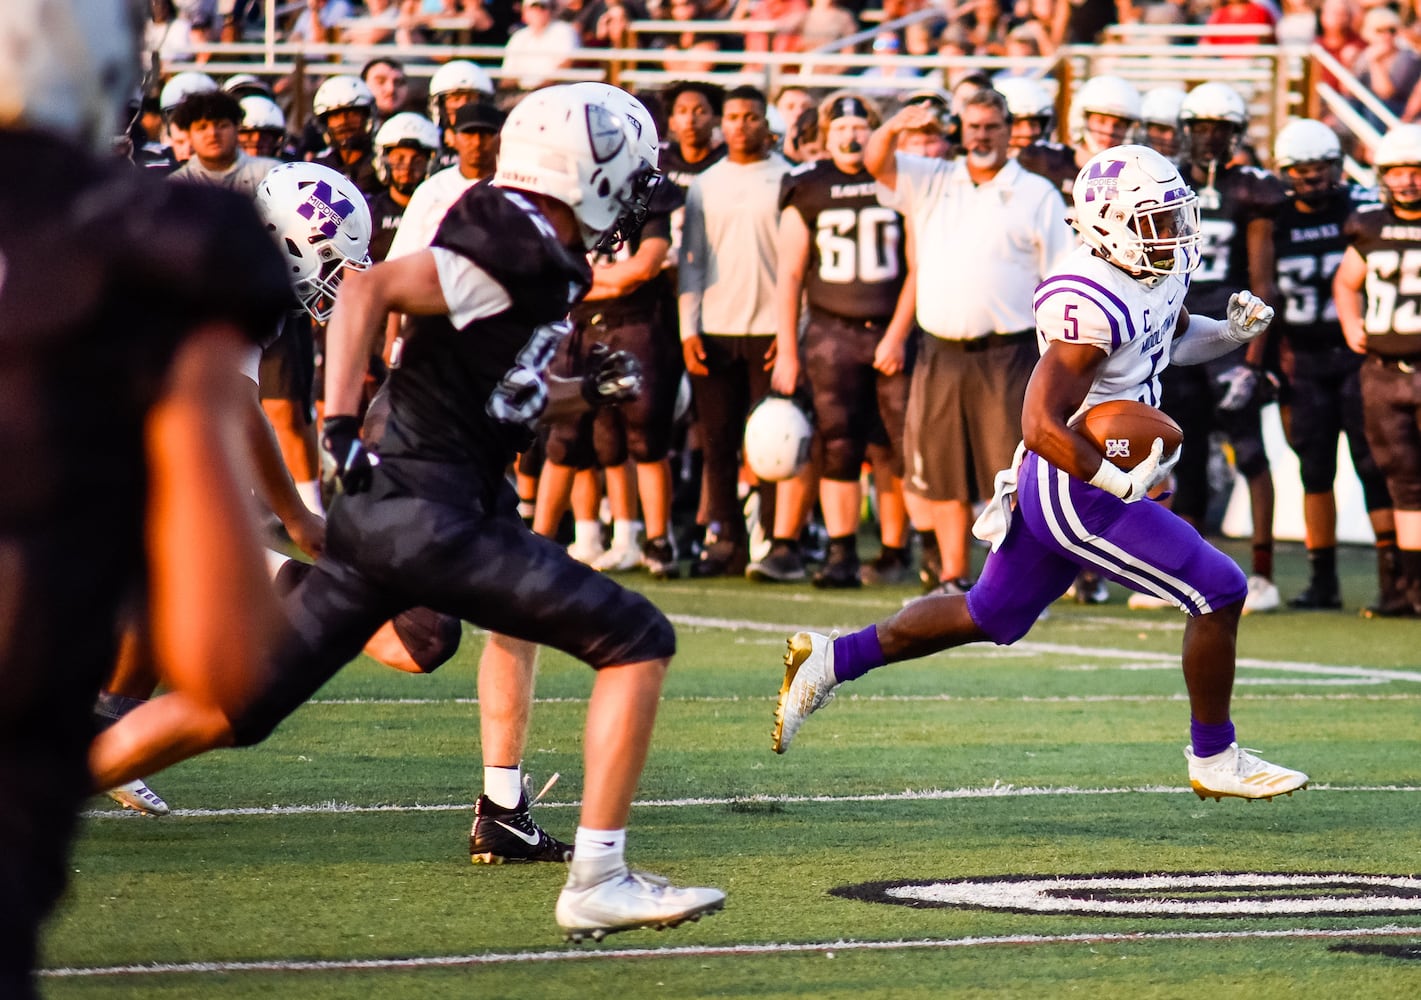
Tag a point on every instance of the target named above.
point(686, 41)
point(888, 76)
point(1080, 22)
point(605, 23)
point(987, 25)
point(319, 20)
point(538, 50)
point(1234, 13)
point(1154, 11)
point(167, 32)
point(1386, 67)
point(1337, 34)
point(825, 21)
point(788, 16)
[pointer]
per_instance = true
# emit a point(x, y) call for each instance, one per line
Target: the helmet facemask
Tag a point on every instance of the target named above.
point(1314, 183)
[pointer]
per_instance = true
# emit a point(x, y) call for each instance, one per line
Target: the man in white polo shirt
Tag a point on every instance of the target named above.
point(986, 233)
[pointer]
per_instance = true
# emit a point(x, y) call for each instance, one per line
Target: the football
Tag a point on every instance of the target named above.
point(1123, 430)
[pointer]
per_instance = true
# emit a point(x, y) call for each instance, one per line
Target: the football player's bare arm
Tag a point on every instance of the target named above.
point(211, 610)
point(273, 480)
point(792, 251)
point(1347, 286)
point(1057, 388)
point(891, 354)
point(626, 276)
point(880, 156)
point(407, 284)
point(1262, 277)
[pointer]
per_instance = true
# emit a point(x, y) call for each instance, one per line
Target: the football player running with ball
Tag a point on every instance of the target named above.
point(430, 518)
point(1108, 321)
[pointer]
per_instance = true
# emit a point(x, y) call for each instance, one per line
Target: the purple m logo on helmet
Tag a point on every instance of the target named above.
point(1103, 180)
point(324, 208)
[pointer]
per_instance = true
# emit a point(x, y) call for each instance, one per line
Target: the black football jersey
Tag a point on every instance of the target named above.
point(104, 270)
point(645, 298)
point(856, 254)
point(361, 172)
point(1244, 194)
point(1308, 247)
point(1055, 162)
point(472, 396)
point(1392, 249)
point(385, 216)
point(676, 170)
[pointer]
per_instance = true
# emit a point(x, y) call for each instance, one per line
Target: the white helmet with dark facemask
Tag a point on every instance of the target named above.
point(404, 129)
point(68, 66)
point(571, 148)
point(321, 223)
point(1135, 210)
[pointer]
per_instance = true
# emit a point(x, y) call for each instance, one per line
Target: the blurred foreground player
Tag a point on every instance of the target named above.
point(1109, 320)
point(431, 520)
point(125, 305)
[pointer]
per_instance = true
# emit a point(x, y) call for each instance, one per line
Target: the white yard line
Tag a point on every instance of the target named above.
point(997, 791)
point(827, 948)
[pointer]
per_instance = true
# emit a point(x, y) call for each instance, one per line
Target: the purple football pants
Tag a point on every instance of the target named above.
point(1062, 524)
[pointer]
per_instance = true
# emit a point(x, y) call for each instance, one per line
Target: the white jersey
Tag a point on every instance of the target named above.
point(1088, 300)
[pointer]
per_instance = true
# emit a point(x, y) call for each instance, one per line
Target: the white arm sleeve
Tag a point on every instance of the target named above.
point(1205, 340)
point(470, 292)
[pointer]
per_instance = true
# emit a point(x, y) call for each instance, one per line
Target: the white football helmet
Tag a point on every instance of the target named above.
point(1026, 98)
point(1401, 147)
point(1160, 106)
point(404, 129)
point(241, 85)
point(1213, 102)
point(183, 85)
point(261, 114)
point(68, 66)
point(1135, 210)
point(777, 438)
point(632, 111)
point(454, 77)
point(559, 143)
point(320, 221)
point(1102, 95)
point(1304, 140)
point(343, 91)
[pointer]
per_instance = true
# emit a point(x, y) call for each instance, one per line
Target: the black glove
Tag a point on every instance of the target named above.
point(612, 376)
point(354, 465)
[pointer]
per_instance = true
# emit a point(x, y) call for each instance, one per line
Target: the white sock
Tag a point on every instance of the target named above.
point(597, 854)
point(504, 785)
point(310, 493)
point(587, 533)
point(624, 533)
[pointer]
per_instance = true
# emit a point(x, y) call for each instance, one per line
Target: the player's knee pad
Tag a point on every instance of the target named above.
point(1250, 458)
point(646, 634)
point(429, 637)
point(1317, 466)
point(843, 459)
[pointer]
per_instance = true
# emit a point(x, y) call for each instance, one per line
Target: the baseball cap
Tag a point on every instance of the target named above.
point(478, 116)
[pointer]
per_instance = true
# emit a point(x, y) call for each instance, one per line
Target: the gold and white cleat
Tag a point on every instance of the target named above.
point(808, 684)
point(1237, 773)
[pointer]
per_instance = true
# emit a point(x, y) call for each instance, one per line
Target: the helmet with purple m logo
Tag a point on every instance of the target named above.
point(321, 222)
point(1134, 209)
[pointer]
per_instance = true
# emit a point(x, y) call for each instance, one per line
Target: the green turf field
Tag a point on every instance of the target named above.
point(331, 860)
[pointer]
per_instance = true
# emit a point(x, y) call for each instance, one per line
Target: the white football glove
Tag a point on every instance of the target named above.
point(1239, 384)
point(1248, 316)
point(1136, 484)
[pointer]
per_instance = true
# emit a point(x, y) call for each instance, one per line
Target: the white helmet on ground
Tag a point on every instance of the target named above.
point(321, 222)
point(777, 439)
point(183, 85)
point(559, 143)
point(632, 111)
point(1133, 208)
point(261, 113)
point(454, 77)
point(69, 66)
point(1401, 147)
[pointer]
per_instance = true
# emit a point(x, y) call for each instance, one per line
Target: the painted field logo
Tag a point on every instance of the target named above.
point(1126, 894)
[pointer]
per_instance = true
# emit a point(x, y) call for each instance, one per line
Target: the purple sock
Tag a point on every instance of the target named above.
point(1208, 740)
point(856, 654)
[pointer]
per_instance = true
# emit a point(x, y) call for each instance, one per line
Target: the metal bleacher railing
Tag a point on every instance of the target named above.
point(1278, 82)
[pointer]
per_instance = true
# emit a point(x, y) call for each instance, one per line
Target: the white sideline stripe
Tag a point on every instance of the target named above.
point(1061, 649)
point(1028, 699)
point(998, 791)
point(715, 951)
